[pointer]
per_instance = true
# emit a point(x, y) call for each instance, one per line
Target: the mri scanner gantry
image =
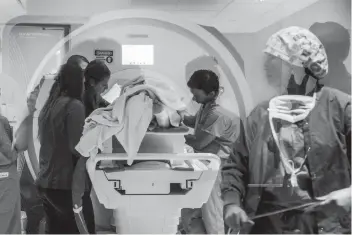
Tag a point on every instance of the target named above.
point(120, 189)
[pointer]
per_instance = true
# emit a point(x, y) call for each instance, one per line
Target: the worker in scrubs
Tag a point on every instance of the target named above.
point(215, 131)
point(97, 75)
point(293, 160)
point(31, 202)
point(10, 199)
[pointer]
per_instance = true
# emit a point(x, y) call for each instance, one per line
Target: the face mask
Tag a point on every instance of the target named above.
point(291, 108)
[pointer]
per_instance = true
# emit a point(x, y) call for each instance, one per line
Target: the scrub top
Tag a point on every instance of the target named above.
point(219, 122)
point(10, 200)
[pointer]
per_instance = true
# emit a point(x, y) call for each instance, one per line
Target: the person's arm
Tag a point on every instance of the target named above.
point(79, 181)
point(235, 172)
point(75, 123)
point(347, 127)
point(200, 140)
point(214, 126)
point(78, 188)
point(189, 121)
point(9, 154)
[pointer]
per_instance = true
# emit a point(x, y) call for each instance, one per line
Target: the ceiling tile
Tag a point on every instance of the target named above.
point(195, 14)
point(241, 11)
point(154, 4)
point(258, 1)
point(203, 5)
point(199, 17)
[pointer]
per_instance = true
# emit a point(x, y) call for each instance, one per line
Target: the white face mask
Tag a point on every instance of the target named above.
point(280, 107)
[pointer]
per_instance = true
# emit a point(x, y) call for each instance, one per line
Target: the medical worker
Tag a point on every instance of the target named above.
point(215, 131)
point(294, 154)
point(97, 75)
point(61, 124)
point(31, 203)
point(10, 199)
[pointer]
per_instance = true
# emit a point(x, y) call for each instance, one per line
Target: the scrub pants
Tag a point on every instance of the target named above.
point(59, 214)
point(10, 200)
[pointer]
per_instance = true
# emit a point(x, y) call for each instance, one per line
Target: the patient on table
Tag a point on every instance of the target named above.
point(141, 108)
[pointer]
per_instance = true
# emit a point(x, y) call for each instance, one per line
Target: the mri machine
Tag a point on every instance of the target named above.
point(165, 189)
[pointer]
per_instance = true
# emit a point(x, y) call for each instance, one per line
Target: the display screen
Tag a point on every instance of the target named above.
point(137, 54)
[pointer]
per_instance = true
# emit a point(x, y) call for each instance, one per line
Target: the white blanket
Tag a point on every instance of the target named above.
point(128, 118)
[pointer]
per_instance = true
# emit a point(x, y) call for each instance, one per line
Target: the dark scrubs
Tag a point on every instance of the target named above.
point(92, 101)
point(10, 200)
point(57, 160)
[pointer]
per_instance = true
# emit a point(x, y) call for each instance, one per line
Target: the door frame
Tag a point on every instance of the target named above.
point(67, 29)
point(5, 43)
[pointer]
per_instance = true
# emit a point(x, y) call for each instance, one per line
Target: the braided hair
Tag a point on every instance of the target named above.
point(68, 82)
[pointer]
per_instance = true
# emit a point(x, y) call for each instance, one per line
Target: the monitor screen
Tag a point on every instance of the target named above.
point(137, 54)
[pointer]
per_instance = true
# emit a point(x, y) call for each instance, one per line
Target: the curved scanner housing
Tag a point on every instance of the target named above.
point(148, 196)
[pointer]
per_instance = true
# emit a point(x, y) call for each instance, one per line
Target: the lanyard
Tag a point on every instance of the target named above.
point(278, 110)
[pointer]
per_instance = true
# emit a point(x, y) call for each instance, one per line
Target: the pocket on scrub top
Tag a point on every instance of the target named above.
point(8, 192)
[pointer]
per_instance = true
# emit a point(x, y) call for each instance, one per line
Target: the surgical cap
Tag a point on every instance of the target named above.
point(299, 47)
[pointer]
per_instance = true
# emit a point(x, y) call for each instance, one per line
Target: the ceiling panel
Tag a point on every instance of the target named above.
point(258, 1)
point(154, 4)
point(243, 11)
point(203, 5)
point(254, 24)
point(200, 17)
point(195, 14)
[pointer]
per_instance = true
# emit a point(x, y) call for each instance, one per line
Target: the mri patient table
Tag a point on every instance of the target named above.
point(148, 197)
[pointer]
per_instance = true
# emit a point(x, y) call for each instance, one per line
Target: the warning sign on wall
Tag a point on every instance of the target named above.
point(106, 55)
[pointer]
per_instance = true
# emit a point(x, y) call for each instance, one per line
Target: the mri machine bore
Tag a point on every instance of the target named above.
point(117, 189)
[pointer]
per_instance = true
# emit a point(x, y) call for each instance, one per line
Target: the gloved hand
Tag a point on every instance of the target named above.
point(236, 218)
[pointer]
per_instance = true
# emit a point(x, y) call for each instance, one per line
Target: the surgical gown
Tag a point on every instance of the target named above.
point(246, 174)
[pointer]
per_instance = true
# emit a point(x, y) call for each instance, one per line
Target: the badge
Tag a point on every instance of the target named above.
point(4, 175)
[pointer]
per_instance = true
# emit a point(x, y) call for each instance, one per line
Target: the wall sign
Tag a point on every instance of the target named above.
point(106, 55)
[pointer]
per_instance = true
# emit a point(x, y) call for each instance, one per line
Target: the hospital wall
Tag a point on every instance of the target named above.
point(251, 45)
point(175, 56)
